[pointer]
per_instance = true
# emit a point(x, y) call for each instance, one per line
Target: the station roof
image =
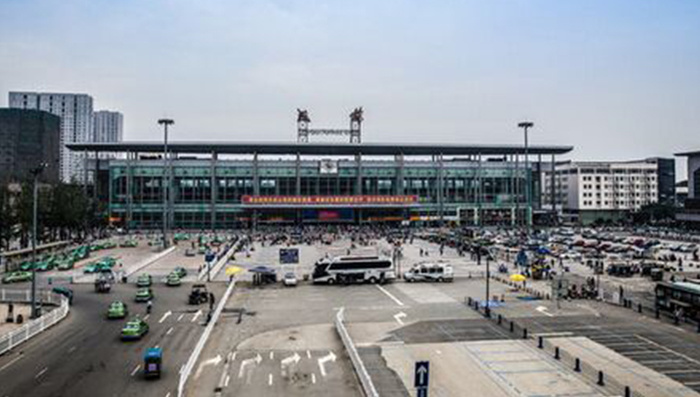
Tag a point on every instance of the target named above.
point(689, 154)
point(415, 149)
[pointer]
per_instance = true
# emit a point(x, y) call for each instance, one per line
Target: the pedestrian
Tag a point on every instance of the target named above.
point(212, 299)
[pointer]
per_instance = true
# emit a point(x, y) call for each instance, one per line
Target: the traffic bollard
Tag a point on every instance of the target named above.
point(628, 391)
point(601, 380)
point(639, 307)
point(512, 326)
point(524, 333)
point(469, 300)
point(557, 356)
point(500, 319)
point(577, 365)
point(540, 342)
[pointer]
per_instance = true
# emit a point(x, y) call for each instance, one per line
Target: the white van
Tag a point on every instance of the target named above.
point(439, 272)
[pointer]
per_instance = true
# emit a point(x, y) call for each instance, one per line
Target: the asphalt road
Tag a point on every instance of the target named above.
point(83, 355)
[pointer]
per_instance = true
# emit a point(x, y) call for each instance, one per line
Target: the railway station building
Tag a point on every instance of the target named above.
point(222, 185)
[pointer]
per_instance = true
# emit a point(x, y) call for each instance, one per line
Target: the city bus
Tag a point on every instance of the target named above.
point(353, 269)
point(679, 295)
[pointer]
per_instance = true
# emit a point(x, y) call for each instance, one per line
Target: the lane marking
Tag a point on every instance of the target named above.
point(181, 316)
point(146, 317)
point(272, 355)
point(269, 380)
point(72, 349)
point(323, 360)
point(41, 372)
point(387, 293)
point(226, 381)
point(167, 395)
point(14, 360)
point(169, 331)
point(166, 315)
point(543, 310)
point(313, 378)
point(196, 316)
point(399, 316)
point(244, 363)
point(308, 354)
point(135, 370)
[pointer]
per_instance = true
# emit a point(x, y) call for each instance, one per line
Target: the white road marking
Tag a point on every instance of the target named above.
point(196, 315)
point(167, 395)
point(387, 293)
point(399, 316)
point(72, 349)
point(272, 355)
point(166, 315)
point(169, 331)
point(244, 363)
point(14, 360)
point(543, 310)
point(308, 354)
point(41, 372)
point(181, 316)
point(226, 382)
point(313, 378)
point(215, 361)
point(146, 317)
point(323, 360)
point(269, 380)
point(135, 370)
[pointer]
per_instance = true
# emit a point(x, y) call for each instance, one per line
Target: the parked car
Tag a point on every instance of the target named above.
point(439, 272)
point(290, 279)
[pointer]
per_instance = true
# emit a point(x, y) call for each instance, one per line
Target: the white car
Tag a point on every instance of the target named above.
point(290, 280)
point(430, 272)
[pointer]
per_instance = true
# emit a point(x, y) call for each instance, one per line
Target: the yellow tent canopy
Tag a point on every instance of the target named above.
point(517, 277)
point(233, 270)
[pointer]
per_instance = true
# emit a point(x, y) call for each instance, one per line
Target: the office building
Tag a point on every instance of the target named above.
point(690, 214)
point(590, 191)
point(108, 126)
point(75, 111)
point(28, 138)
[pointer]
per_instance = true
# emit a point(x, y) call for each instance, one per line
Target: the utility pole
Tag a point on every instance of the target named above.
point(35, 172)
point(487, 310)
point(525, 125)
point(166, 178)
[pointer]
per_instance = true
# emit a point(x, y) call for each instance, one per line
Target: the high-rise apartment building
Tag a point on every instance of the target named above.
point(75, 111)
point(108, 126)
point(28, 138)
point(600, 190)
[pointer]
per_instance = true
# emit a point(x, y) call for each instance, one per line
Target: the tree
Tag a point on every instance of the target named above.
point(7, 218)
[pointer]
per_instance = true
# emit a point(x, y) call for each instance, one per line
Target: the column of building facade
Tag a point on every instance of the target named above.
point(129, 193)
point(214, 188)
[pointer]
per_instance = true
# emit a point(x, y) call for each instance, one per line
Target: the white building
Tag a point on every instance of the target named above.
point(75, 111)
point(109, 126)
point(593, 190)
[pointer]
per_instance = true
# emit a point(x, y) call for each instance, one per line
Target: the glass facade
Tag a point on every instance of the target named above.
point(210, 193)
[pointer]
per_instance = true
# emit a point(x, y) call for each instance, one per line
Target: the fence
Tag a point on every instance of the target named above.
point(33, 327)
point(588, 371)
point(365, 380)
point(189, 365)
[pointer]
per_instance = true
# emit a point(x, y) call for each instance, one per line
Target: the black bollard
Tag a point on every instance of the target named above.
point(512, 326)
point(540, 342)
point(628, 391)
point(639, 307)
point(557, 356)
point(577, 365)
point(524, 333)
point(500, 319)
point(601, 380)
point(469, 300)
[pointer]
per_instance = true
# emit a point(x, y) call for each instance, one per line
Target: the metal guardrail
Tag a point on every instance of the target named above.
point(189, 365)
point(221, 261)
point(34, 327)
point(365, 380)
point(588, 371)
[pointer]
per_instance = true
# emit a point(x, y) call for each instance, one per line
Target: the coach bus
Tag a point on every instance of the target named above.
point(679, 295)
point(353, 269)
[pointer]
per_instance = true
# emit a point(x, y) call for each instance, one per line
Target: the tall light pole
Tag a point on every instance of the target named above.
point(166, 178)
point(35, 198)
point(525, 125)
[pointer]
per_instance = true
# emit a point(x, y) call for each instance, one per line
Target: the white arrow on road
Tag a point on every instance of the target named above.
point(399, 316)
point(323, 360)
point(247, 362)
point(215, 361)
point(422, 372)
point(166, 315)
point(196, 315)
point(543, 310)
point(291, 359)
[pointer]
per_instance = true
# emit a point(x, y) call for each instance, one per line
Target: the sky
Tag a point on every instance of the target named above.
point(617, 79)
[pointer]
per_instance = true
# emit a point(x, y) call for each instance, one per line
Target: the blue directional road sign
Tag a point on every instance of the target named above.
point(422, 374)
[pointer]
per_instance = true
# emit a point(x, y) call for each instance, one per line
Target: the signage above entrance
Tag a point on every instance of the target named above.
point(330, 200)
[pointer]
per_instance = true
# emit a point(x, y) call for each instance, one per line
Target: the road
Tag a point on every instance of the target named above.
point(83, 353)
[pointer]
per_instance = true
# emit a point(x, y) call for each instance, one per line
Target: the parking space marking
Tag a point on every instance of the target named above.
point(170, 330)
point(269, 380)
point(181, 316)
point(135, 370)
point(166, 315)
point(387, 293)
point(43, 371)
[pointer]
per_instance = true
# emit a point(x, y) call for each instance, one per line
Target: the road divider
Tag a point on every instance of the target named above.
point(148, 261)
point(357, 364)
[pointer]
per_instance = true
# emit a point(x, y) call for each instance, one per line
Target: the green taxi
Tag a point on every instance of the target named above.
point(130, 243)
point(65, 264)
point(173, 280)
point(134, 329)
point(144, 295)
point(144, 280)
point(16, 277)
point(117, 309)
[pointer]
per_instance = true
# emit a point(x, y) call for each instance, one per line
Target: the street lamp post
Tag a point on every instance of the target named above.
point(165, 180)
point(525, 125)
point(35, 198)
